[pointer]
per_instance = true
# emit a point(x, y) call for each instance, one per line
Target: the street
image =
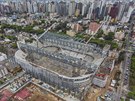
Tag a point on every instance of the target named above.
point(124, 84)
point(102, 91)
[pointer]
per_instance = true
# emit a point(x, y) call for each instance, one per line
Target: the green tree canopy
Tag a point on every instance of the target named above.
point(110, 36)
point(100, 33)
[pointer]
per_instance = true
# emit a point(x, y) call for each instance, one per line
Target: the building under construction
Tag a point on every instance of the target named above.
point(61, 62)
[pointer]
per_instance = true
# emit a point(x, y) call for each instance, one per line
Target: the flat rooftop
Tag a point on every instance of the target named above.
point(105, 68)
point(5, 94)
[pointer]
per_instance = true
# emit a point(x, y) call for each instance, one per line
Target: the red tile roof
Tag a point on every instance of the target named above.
point(78, 27)
point(6, 94)
point(133, 35)
point(94, 26)
point(23, 94)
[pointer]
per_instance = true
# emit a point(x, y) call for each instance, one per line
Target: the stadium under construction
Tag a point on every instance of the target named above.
point(61, 62)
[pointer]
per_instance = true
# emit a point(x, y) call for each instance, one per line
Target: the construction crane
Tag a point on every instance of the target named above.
point(85, 48)
point(46, 31)
point(37, 38)
point(97, 31)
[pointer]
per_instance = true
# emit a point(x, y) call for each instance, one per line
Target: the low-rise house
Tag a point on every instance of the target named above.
point(107, 28)
point(119, 35)
point(93, 27)
point(3, 71)
point(3, 56)
point(78, 27)
point(105, 69)
point(71, 33)
point(75, 26)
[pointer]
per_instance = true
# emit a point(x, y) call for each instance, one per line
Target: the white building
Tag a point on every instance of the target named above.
point(131, 100)
point(127, 16)
point(113, 83)
point(35, 8)
point(100, 82)
point(103, 2)
point(30, 8)
point(71, 10)
point(121, 11)
point(51, 7)
point(130, 10)
point(119, 35)
point(84, 8)
point(3, 71)
point(107, 28)
point(89, 15)
point(3, 56)
point(100, 78)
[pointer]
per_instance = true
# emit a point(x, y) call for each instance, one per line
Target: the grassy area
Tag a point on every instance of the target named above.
point(1, 82)
point(117, 75)
point(28, 29)
point(60, 33)
point(100, 33)
point(102, 43)
point(122, 99)
point(132, 79)
point(81, 36)
point(14, 45)
point(108, 39)
point(10, 37)
point(30, 40)
point(132, 75)
point(121, 57)
point(109, 36)
point(3, 48)
point(13, 38)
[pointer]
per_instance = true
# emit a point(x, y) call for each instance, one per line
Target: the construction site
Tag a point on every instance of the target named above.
point(32, 92)
point(102, 74)
point(61, 62)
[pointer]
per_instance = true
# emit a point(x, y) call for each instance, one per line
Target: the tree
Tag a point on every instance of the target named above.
point(2, 36)
point(100, 33)
point(110, 36)
point(28, 29)
point(14, 45)
point(42, 21)
point(114, 46)
point(131, 95)
point(99, 42)
point(13, 38)
point(131, 79)
point(61, 26)
point(102, 43)
point(3, 49)
point(39, 31)
point(121, 56)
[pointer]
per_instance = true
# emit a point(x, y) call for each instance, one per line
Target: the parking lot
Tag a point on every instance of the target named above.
point(127, 69)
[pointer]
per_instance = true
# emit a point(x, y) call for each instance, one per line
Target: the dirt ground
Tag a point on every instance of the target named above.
point(96, 92)
point(41, 97)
